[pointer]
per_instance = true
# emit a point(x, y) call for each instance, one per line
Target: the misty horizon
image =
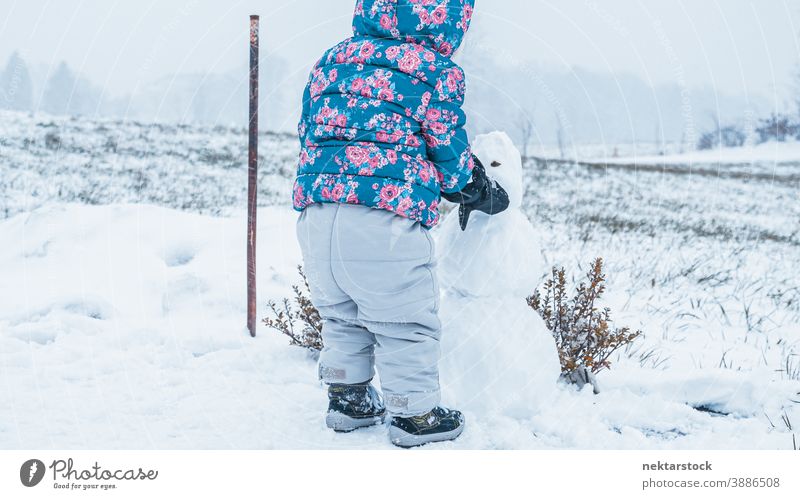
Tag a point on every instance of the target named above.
point(188, 62)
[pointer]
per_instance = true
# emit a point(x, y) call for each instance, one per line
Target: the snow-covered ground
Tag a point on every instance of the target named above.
point(671, 153)
point(775, 153)
point(770, 161)
point(122, 325)
point(200, 168)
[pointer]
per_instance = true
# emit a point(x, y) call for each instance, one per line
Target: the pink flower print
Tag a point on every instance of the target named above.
point(451, 83)
point(352, 198)
point(470, 163)
point(382, 136)
point(389, 193)
point(404, 204)
point(438, 128)
point(433, 114)
point(386, 94)
point(409, 62)
point(392, 52)
point(426, 98)
point(424, 174)
point(367, 49)
point(386, 22)
point(325, 193)
point(439, 15)
point(446, 49)
point(356, 155)
point(382, 82)
point(374, 161)
point(392, 157)
point(341, 120)
point(424, 18)
point(428, 56)
point(332, 75)
point(298, 195)
point(337, 192)
point(357, 84)
point(468, 12)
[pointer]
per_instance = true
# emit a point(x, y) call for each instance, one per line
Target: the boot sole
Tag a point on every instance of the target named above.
point(406, 440)
point(343, 423)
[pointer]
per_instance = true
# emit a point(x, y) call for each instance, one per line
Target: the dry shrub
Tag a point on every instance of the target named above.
point(581, 330)
point(302, 324)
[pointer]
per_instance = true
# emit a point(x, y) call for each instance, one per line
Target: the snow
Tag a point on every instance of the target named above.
point(475, 262)
point(122, 325)
point(125, 330)
point(768, 156)
point(497, 354)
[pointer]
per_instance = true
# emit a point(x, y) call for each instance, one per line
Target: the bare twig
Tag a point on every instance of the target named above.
point(582, 332)
point(306, 314)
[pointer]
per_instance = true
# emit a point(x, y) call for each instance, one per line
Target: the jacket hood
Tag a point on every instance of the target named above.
point(438, 24)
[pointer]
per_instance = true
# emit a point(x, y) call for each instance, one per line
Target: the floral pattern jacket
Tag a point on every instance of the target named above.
point(382, 123)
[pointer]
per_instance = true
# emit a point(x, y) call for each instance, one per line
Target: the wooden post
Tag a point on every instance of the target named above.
point(252, 178)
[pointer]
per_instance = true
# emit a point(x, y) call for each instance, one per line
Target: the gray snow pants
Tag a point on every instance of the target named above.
point(372, 278)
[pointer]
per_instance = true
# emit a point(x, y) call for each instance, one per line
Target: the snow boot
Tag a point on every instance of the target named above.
point(353, 406)
point(438, 425)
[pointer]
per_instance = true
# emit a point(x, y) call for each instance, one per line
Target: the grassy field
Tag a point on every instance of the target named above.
point(704, 264)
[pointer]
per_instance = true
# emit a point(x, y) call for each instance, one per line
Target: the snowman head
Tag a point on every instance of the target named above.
point(503, 163)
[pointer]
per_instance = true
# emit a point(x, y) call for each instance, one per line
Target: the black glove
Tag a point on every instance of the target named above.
point(481, 194)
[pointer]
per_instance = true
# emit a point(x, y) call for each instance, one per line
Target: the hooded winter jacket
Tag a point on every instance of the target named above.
point(382, 123)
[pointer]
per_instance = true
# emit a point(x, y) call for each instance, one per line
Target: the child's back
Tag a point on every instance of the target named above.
point(382, 124)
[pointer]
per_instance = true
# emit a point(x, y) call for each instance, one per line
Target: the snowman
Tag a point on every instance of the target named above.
point(497, 354)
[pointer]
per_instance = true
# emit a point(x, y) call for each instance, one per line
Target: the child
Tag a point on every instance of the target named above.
point(382, 140)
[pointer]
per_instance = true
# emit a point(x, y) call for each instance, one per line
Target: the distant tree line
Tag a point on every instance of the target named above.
point(778, 127)
point(63, 91)
point(204, 98)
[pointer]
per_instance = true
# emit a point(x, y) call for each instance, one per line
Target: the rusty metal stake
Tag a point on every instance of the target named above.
point(252, 178)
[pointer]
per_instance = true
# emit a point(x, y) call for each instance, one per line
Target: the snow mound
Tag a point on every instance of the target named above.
point(497, 354)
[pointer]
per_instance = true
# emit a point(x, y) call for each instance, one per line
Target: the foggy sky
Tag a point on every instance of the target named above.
point(736, 46)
